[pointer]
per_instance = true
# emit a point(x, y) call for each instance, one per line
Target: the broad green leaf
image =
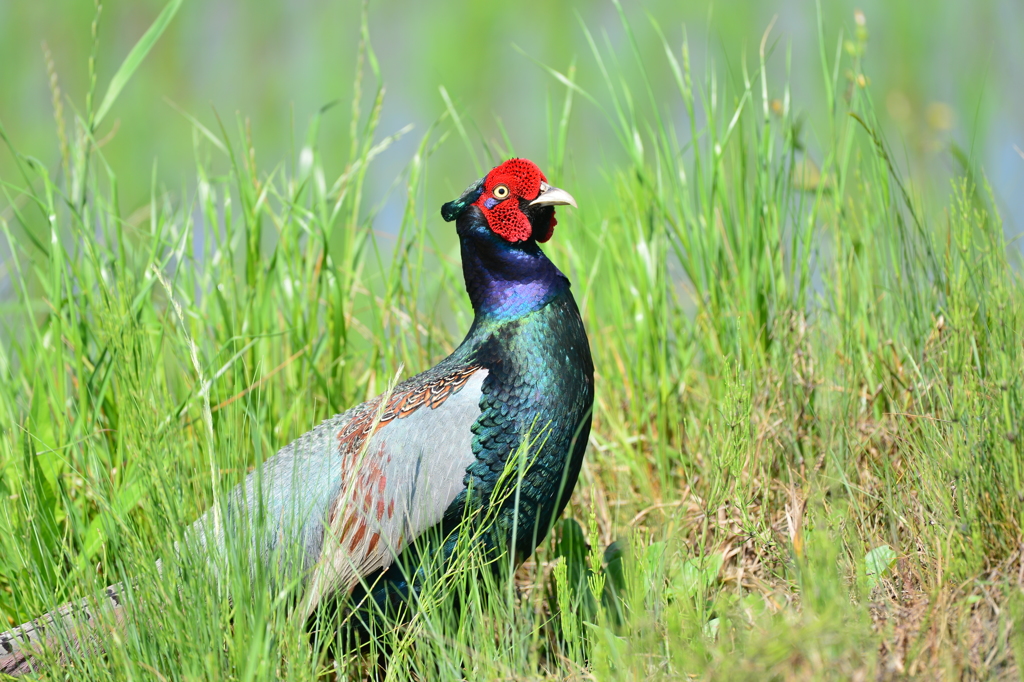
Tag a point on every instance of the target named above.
point(877, 563)
point(711, 628)
point(696, 574)
point(572, 544)
point(134, 58)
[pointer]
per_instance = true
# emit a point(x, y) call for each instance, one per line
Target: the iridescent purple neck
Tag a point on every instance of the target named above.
point(505, 281)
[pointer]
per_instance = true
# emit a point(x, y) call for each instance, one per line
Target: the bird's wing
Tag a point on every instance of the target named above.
point(402, 466)
point(279, 513)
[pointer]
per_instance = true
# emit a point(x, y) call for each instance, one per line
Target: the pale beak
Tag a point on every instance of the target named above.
point(552, 196)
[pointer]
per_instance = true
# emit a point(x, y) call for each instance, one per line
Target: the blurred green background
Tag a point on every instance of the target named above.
point(942, 72)
point(839, 379)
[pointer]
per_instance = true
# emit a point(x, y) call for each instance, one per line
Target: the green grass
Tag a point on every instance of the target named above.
point(807, 436)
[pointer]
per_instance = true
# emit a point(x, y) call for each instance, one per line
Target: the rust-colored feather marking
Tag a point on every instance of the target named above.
point(349, 522)
point(361, 519)
point(402, 404)
point(357, 537)
point(364, 472)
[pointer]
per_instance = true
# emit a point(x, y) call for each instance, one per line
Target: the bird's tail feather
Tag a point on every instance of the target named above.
point(65, 629)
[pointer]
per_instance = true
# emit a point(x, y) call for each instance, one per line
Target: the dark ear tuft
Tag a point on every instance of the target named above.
point(453, 209)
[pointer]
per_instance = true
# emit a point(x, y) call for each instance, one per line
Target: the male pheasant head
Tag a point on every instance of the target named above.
point(516, 201)
point(500, 220)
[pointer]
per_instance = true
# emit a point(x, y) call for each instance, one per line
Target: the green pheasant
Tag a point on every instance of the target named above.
point(361, 502)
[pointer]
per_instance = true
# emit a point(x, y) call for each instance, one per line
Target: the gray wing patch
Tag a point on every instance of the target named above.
point(282, 507)
point(408, 473)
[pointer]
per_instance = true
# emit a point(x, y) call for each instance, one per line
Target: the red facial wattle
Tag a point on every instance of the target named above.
point(503, 188)
point(506, 219)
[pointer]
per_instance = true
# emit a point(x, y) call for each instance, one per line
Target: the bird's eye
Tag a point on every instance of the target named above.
point(500, 192)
